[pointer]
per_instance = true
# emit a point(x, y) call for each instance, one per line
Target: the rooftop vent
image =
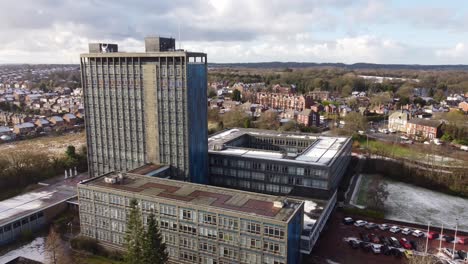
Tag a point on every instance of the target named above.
point(113, 179)
point(278, 204)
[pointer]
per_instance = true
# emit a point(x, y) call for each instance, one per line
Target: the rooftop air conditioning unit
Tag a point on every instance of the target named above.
point(111, 180)
point(278, 204)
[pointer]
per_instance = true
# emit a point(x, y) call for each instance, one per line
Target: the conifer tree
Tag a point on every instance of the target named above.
point(134, 235)
point(154, 249)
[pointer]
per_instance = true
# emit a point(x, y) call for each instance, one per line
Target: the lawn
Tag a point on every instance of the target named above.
point(412, 152)
point(55, 145)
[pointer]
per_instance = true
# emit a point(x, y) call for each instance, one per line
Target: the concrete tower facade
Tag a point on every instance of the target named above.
point(147, 107)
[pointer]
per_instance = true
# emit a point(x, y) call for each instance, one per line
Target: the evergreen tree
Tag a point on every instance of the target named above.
point(134, 234)
point(154, 249)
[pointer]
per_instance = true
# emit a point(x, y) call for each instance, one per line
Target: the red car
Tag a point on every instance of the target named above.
point(432, 235)
point(463, 240)
point(405, 243)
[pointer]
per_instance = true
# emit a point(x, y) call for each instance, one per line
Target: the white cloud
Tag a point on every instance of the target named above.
point(54, 31)
point(460, 51)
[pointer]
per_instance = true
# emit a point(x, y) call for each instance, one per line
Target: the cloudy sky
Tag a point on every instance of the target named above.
point(349, 31)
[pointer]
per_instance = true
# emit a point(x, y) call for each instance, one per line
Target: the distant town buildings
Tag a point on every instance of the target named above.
point(398, 121)
point(424, 129)
point(284, 101)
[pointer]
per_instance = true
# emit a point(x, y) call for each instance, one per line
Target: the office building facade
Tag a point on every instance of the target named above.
point(278, 163)
point(146, 107)
point(199, 223)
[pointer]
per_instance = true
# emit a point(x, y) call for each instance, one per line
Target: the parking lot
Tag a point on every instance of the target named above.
point(332, 247)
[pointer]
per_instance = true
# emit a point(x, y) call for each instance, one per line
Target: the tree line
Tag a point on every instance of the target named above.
point(21, 168)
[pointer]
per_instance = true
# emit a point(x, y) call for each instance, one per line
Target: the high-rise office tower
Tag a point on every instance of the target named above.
point(146, 107)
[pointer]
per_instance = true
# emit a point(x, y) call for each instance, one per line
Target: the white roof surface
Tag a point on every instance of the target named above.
point(321, 152)
point(22, 205)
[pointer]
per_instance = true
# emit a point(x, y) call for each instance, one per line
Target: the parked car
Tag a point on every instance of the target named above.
point(395, 242)
point(449, 252)
point(408, 254)
point(370, 225)
point(353, 243)
point(394, 229)
point(364, 237)
point(432, 235)
point(385, 250)
point(374, 239)
point(348, 221)
point(360, 223)
point(376, 248)
point(404, 243)
point(365, 246)
point(463, 240)
point(414, 245)
point(396, 252)
point(448, 238)
point(462, 254)
point(417, 233)
point(385, 241)
point(406, 231)
point(384, 227)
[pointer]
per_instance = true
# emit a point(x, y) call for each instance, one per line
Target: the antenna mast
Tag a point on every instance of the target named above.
point(179, 40)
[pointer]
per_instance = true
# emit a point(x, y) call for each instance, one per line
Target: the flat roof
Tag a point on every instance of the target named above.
point(175, 53)
point(223, 199)
point(23, 205)
point(321, 151)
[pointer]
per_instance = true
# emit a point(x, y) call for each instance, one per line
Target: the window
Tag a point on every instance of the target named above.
point(207, 218)
point(251, 242)
point(168, 210)
point(274, 247)
point(187, 228)
point(207, 247)
point(228, 223)
point(228, 237)
point(208, 232)
point(273, 231)
point(250, 226)
point(186, 214)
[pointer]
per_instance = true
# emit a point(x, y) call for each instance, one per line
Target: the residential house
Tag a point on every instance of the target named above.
point(398, 121)
point(284, 101)
point(57, 121)
point(463, 106)
point(423, 128)
point(308, 117)
point(41, 122)
point(4, 130)
point(70, 119)
point(320, 95)
point(289, 114)
point(23, 128)
point(331, 109)
point(317, 107)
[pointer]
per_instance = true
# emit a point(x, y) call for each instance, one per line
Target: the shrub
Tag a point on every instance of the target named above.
point(88, 244)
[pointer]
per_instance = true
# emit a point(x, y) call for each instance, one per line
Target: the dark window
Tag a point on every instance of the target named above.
point(24, 221)
point(7, 228)
point(40, 214)
point(16, 224)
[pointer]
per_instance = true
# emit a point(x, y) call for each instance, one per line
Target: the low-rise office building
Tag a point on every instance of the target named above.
point(278, 163)
point(199, 223)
